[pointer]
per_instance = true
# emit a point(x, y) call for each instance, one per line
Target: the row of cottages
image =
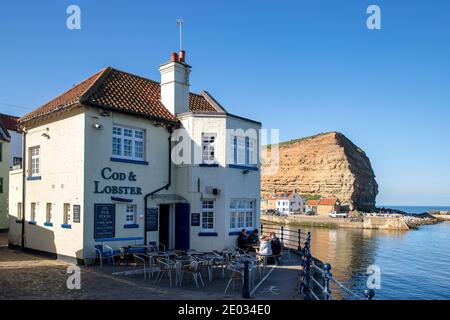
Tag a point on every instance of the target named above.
point(285, 202)
point(120, 159)
point(10, 156)
point(323, 206)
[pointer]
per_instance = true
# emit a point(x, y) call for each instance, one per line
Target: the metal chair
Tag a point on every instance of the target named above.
point(193, 268)
point(105, 252)
point(165, 266)
point(236, 275)
point(156, 246)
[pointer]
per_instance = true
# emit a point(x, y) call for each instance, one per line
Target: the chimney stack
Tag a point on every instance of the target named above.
point(175, 83)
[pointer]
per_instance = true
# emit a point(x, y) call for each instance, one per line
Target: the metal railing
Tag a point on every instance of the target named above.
point(315, 280)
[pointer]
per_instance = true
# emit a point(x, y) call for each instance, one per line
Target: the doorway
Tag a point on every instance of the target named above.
point(164, 225)
point(174, 226)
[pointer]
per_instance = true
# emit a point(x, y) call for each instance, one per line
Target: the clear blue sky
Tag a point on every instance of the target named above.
point(301, 66)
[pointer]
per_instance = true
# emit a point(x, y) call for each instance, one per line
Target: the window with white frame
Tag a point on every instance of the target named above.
point(128, 143)
point(242, 150)
point(67, 218)
point(130, 214)
point(209, 148)
point(35, 168)
point(48, 213)
point(207, 215)
point(33, 211)
point(242, 213)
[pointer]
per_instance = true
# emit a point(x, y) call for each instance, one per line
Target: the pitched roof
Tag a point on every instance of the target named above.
point(9, 121)
point(280, 195)
point(312, 202)
point(323, 202)
point(122, 91)
point(328, 201)
point(4, 135)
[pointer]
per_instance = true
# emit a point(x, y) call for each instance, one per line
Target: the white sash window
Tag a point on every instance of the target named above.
point(128, 143)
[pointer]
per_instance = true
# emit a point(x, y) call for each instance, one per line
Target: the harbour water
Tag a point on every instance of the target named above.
point(414, 264)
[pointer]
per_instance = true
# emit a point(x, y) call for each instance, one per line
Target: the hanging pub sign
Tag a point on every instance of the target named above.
point(104, 220)
point(151, 219)
point(76, 213)
point(195, 219)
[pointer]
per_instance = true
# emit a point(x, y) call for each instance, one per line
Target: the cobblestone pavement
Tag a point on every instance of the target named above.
point(27, 276)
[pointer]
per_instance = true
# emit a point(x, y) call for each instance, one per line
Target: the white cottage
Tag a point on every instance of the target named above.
point(287, 202)
point(121, 159)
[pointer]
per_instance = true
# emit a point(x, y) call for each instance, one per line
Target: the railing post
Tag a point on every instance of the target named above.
point(326, 277)
point(369, 294)
point(299, 247)
point(246, 288)
point(261, 233)
point(282, 230)
point(305, 283)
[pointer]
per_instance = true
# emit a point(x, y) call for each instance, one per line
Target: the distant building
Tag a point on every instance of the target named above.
point(15, 144)
point(5, 138)
point(323, 206)
point(286, 202)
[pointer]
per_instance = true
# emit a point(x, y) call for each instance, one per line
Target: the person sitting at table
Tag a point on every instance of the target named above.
point(243, 240)
point(254, 238)
point(275, 244)
point(265, 249)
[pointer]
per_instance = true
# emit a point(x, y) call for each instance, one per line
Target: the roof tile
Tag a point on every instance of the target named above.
point(122, 91)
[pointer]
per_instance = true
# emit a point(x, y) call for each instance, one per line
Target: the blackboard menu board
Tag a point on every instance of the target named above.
point(195, 219)
point(151, 219)
point(104, 220)
point(76, 213)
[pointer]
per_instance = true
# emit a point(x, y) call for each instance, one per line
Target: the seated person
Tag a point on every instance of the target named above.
point(265, 249)
point(276, 245)
point(254, 238)
point(243, 240)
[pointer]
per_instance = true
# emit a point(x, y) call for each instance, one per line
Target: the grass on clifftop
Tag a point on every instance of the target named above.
point(300, 139)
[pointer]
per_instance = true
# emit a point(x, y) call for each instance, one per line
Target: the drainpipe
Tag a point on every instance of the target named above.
point(159, 189)
point(24, 179)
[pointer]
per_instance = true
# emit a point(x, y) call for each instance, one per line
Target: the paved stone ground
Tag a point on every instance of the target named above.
point(27, 276)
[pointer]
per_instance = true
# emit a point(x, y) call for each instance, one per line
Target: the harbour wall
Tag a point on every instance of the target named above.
point(377, 223)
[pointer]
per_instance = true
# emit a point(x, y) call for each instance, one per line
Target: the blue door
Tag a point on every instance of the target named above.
point(182, 228)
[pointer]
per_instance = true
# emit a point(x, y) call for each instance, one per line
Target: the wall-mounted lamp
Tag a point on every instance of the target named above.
point(245, 171)
point(45, 135)
point(98, 126)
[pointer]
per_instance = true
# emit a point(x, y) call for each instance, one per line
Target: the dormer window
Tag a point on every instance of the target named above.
point(209, 148)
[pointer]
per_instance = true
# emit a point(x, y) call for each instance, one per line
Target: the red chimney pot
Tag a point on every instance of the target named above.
point(173, 56)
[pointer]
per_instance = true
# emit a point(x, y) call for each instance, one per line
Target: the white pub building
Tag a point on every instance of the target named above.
point(122, 160)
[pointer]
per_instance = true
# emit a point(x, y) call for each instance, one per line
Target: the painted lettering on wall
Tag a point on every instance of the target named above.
point(110, 175)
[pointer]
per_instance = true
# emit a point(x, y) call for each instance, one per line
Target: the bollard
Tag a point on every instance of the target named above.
point(327, 276)
point(369, 293)
point(246, 288)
